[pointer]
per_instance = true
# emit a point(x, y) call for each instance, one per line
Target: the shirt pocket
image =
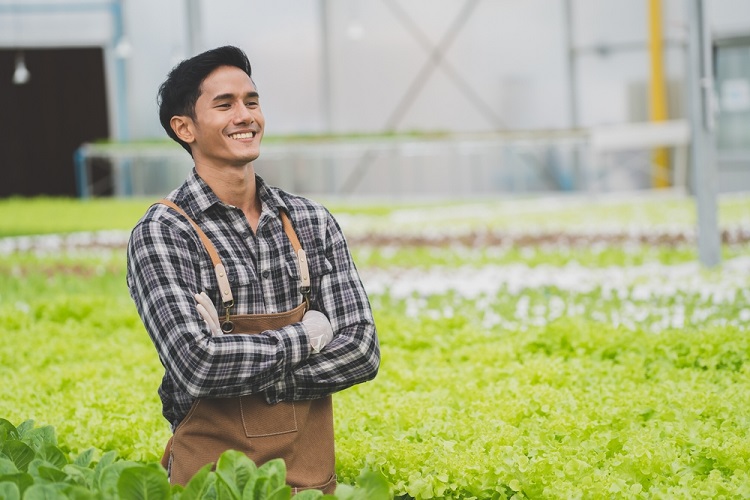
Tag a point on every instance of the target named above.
point(239, 275)
point(318, 266)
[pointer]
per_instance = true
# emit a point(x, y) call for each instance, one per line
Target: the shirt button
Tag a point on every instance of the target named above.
point(231, 278)
point(266, 273)
point(245, 234)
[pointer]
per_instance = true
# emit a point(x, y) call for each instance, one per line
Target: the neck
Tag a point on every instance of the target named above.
point(234, 186)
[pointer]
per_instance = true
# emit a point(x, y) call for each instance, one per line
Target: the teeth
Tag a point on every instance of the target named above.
point(248, 135)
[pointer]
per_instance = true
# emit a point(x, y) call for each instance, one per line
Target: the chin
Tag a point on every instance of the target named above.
point(244, 160)
point(247, 155)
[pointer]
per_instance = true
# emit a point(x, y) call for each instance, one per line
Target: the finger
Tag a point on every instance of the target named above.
point(204, 314)
point(203, 300)
point(211, 308)
point(316, 344)
point(213, 323)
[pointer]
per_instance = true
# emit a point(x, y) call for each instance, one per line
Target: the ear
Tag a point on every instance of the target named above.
point(183, 128)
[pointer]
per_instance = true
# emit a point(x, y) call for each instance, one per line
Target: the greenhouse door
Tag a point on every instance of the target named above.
point(44, 119)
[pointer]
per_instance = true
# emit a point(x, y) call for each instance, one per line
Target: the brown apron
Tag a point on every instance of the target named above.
point(300, 432)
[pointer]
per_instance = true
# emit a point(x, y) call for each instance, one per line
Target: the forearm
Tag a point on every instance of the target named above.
point(163, 280)
point(222, 366)
point(351, 358)
point(236, 365)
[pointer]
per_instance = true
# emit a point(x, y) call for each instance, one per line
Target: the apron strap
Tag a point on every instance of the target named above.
point(304, 271)
point(221, 274)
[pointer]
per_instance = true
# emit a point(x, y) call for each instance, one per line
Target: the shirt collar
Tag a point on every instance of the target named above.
point(199, 197)
point(269, 197)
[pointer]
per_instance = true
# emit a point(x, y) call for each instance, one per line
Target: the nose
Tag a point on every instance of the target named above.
point(243, 114)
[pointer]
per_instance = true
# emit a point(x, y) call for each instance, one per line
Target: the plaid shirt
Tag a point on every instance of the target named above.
point(167, 265)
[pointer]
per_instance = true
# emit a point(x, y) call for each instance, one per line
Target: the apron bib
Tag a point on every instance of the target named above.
point(300, 432)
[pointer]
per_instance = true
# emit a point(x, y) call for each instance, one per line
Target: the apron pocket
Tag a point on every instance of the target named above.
point(261, 419)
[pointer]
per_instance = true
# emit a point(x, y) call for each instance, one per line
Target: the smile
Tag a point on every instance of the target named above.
point(244, 135)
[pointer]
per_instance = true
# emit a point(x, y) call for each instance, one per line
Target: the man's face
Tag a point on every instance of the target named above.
point(228, 124)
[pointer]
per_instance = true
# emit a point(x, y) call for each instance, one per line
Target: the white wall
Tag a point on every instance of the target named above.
point(510, 54)
point(506, 53)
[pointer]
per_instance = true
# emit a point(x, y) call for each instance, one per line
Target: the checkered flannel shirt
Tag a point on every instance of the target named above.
point(168, 264)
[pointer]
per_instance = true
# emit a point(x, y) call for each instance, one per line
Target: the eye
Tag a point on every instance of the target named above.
point(251, 104)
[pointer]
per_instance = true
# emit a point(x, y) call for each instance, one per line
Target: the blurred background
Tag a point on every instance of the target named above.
point(388, 98)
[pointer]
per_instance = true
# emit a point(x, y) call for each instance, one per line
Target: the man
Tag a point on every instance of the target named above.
point(266, 393)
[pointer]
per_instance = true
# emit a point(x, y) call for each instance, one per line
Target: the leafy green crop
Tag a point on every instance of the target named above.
point(514, 371)
point(484, 396)
point(43, 215)
point(24, 216)
point(571, 409)
point(610, 255)
point(33, 467)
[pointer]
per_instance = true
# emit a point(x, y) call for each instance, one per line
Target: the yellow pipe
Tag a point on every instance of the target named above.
point(657, 91)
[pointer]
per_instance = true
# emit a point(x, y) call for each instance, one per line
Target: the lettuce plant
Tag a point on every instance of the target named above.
point(33, 467)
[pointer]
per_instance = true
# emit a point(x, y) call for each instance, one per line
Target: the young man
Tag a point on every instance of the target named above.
point(264, 389)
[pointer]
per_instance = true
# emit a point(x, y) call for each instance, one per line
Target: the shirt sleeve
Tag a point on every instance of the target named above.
point(162, 279)
point(353, 356)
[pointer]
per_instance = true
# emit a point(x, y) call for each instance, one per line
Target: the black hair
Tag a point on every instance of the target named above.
point(182, 88)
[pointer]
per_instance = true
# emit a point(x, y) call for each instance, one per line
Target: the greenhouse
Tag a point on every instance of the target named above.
point(546, 205)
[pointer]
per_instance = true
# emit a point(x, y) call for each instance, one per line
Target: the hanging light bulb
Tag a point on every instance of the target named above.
point(123, 48)
point(21, 75)
point(355, 31)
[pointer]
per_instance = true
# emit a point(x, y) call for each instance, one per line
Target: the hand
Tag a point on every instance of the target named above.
point(208, 312)
point(318, 328)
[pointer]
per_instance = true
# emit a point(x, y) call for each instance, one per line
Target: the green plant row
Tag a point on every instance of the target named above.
point(28, 216)
point(600, 255)
point(89, 262)
point(571, 408)
point(33, 467)
point(622, 389)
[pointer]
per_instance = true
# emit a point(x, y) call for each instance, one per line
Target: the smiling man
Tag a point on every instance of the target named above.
point(249, 293)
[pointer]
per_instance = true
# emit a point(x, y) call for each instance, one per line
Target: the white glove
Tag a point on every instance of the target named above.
point(318, 328)
point(208, 312)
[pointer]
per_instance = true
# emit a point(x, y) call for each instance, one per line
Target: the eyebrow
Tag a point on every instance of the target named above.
point(223, 97)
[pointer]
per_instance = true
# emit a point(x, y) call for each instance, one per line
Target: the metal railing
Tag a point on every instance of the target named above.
point(609, 159)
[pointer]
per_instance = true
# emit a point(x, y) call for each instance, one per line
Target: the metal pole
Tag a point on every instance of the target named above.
point(657, 91)
point(580, 178)
point(120, 72)
point(571, 60)
point(121, 168)
point(82, 177)
point(703, 145)
point(325, 67)
point(194, 26)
